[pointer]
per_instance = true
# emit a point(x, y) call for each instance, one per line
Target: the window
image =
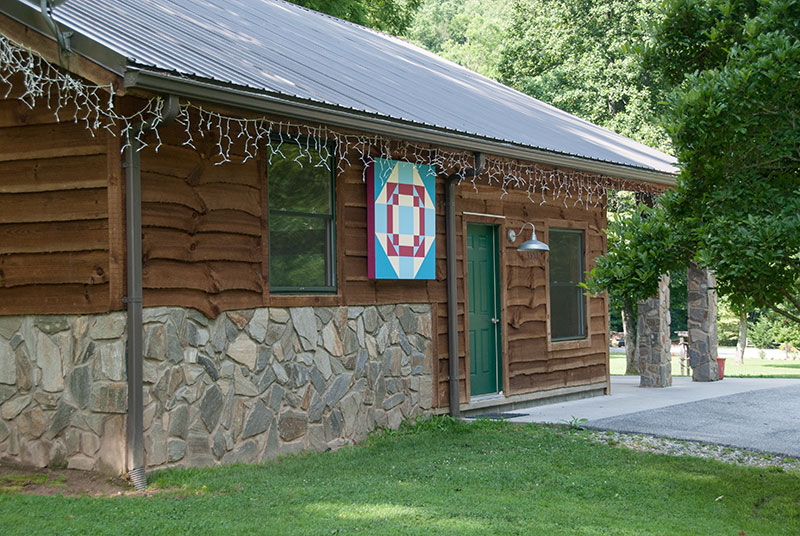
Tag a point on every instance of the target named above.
point(567, 301)
point(301, 224)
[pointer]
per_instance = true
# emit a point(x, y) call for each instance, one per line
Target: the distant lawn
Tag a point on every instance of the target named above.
point(754, 368)
point(442, 478)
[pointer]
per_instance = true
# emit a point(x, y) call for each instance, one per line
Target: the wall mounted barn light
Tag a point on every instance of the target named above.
point(529, 245)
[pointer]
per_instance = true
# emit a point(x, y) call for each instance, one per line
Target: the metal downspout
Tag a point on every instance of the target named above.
point(452, 281)
point(62, 38)
point(133, 225)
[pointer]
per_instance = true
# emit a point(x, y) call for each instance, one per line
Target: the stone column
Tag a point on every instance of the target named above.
point(702, 324)
point(653, 342)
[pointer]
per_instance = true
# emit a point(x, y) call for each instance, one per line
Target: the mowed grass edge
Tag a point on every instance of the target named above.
point(441, 477)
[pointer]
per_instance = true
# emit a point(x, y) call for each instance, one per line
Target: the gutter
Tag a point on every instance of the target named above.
point(329, 114)
point(452, 282)
point(133, 225)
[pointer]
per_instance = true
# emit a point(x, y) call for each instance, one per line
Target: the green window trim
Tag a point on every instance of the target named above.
point(567, 299)
point(302, 243)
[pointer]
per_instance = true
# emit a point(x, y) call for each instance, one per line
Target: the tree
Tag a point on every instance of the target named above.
point(577, 55)
point(468, 32)
point(390, 16)
point(732, 112)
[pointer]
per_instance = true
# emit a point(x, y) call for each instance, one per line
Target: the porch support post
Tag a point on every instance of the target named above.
point(702, 324)
point(652, 341)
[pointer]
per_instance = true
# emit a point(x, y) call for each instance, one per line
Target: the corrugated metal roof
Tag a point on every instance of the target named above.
point(277, 47)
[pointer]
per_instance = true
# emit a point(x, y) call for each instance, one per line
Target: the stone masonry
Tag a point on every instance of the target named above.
point(251, 385)
point(244, 387)
point(653, 342)
point(63, 392)
point(702, 324)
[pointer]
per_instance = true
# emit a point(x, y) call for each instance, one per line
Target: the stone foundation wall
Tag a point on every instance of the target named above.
point(63, 391)
point(251, 385)
point(244, 387)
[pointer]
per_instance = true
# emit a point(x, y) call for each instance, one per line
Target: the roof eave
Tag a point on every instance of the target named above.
point(148, 80)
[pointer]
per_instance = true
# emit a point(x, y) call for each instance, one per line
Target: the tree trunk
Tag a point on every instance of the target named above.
point(629, 329)
point(741, 344)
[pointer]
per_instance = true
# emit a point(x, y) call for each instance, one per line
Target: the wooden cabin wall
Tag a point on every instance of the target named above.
point(61, 234)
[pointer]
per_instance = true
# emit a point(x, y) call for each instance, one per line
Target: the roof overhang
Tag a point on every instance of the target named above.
point(145, 79)
point(160, 82)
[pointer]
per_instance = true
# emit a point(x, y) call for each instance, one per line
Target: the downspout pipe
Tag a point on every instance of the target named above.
point(452, 280)
point(64, 48)
point(133, 225)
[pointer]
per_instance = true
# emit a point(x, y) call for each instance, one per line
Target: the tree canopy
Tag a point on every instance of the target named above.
point(390, 16)
point(733, 117)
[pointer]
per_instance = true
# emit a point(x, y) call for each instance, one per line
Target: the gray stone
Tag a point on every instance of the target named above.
point(176, 450)
point(264, 355)
point(244, 351)
point(80, 462)
point(298, 375)
point(211, 407)
point(47, 400)
point(198, 453)
point(174, 346)
point(112, 361)
point(257, 421)
point(382, 338)
point(333, 425)
point(317, 381)
point(208, 365)
point(61, 418)
point(51, 324)
point(231, 330)
point(6, 392)
point(8, 364)
point(361, 363)
point(316, 408)
point(280, 373)
point(354, 312)
point(9, 325)
point(292, 449)
point(324, 314)
point(316, 438)
point(408, 320)
point(32, 424)
point(155, 444)
point(337, 389)
point(272, 448)
point(279, 315)
point(402, 339)
point(179, 421)
point(87, 354)
point(16, 340)
point(49, 359)
point(350, 405)
point(110, 326)
point(276, 397)
point(386, 312)
point(196, 316)
point(108, 397)
point(370, 317)
point(305, 323)
point(331, 340)
point(219, 443)
point(4, 431)
point(323, 363)
point(196, 336)
point(242, 385)
point(292, 425)
point(350, 341)
point(394, 400)
point(218, 338)
point(258, 325)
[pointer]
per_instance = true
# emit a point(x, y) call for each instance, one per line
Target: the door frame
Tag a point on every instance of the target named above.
point(499, 222)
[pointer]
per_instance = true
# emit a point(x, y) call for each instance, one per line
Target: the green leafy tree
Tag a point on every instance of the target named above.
point(732, 112)
point(390, 16)
point(577, 55)
point(468, 32)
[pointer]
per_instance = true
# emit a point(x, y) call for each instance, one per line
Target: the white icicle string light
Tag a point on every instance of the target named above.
point(95, 106)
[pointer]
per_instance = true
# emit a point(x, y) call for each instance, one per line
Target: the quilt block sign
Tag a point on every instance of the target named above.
point(401, 214)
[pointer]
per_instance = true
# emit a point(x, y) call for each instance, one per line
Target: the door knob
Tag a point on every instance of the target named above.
point(495, 320)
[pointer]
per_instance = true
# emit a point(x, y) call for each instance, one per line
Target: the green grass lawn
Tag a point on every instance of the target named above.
point(754, 368)
point(442, 478)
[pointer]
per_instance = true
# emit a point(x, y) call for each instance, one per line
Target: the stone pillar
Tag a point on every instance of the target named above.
point(653, 342)
point(702, 324)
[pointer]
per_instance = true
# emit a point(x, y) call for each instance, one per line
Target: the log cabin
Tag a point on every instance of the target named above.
point(231, 231)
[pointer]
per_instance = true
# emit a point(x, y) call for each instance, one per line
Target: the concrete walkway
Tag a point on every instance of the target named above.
point(753, 413)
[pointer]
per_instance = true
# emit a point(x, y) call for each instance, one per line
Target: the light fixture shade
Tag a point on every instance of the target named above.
point(533, 245)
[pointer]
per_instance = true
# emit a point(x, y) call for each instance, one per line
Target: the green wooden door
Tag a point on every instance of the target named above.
point(485, 369)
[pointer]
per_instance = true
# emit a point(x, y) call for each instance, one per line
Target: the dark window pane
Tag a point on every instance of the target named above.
point(567, 303)
point(298, 186)
point(298, 251)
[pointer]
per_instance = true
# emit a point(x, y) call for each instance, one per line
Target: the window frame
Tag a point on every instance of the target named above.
point(331, 256)
point(585, 340)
